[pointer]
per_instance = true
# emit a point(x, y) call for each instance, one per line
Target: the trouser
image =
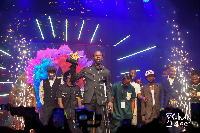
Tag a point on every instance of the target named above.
point(47, 112)
point(100, 109)
point(140, 123)
point(115, 125)
point(153, 115)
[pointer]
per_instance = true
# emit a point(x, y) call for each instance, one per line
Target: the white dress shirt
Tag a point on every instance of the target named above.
point(171, 80)
point(41, 89)
point(152, 92)
point(137, 90)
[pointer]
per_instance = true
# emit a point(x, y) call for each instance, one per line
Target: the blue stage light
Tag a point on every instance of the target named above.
point(4, 95)
point(128, 72)
point(145, 0)
point(40, 29)
point(6, 82)
point(122, 40)
point(5, 52)
point(136, 53)
point(66, 29)
point(2, 68)
point(80, 30)
point(52, 27)
point(94, 33)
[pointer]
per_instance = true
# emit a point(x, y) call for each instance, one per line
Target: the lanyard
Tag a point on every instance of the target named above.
point(122, 92)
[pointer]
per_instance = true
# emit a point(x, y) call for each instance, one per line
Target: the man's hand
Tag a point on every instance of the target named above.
point(162, 109)
point(145, 99)
point(143, 118)
point(9, 113)
point(110, 106)
point(66, 115)
point(74, 62)
point(73, 58)
point(194, 94)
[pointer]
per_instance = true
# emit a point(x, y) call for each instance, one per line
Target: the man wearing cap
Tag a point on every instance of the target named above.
point(151, 108)
point(69, 97)
point(123, 95)
point(47, 92)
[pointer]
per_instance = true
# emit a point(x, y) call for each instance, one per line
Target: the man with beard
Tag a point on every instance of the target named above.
point(47, 92)
point(151, 108)
point(95, 76)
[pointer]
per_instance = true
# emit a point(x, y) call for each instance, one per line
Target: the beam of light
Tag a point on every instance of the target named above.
point(2, 68)
point(40, 29)
point(4, 95)
point(52, 27)
point(80, 30)
point(136, 53)
point(5, 52)
point(6, 82)
point(128, 72)
point(145, 0)
point(66, 29)
point(94, 33)
point(122, 40)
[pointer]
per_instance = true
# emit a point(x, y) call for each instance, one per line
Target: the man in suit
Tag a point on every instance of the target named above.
point(194, 87)
point(170, 93)
point(94, 95)
point(171, 89)
point(151, 108)
point(47, 92)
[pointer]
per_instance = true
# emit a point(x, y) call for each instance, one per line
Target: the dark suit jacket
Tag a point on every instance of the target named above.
point(95, 78)
point(146, 107)
point(169, 92)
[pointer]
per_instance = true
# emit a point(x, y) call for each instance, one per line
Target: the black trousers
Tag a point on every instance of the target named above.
point(100, 109)
point(47, 112)
point(140, 123)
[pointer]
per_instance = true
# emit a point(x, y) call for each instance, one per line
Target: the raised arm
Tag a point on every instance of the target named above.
point(74, 76)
